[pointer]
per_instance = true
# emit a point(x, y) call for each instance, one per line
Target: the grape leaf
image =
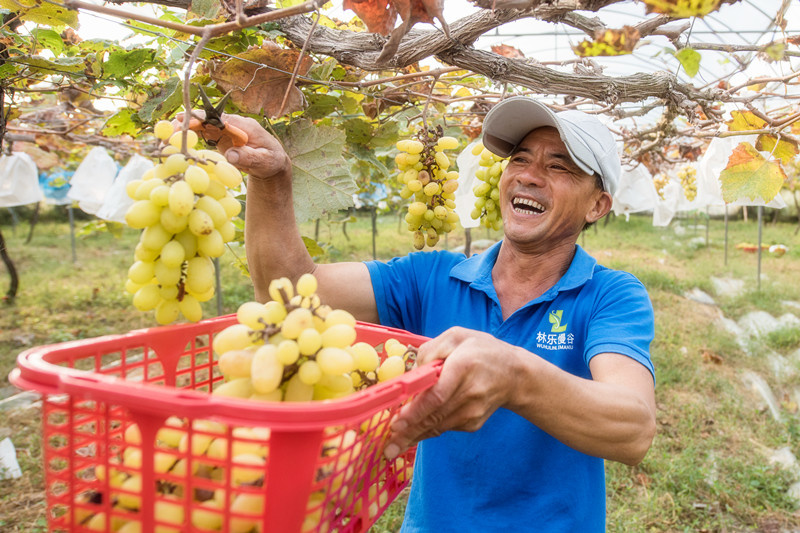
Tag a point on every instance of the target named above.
point(378, 15)
point(775, 51)
point(257, 79)
point(750, 176)
point(322, 181)
point(785, 150)
point(506, 50)
point(45, 13)
point(609, 43)
point(52, 66)
point(164, 103)
point(121, 63)
point(745, 121)
point(49, 39)
point(682, 8)
point(690, 60)
point(209, 9)
point(122, 122)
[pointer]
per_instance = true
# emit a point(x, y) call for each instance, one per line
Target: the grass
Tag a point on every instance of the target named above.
point(708, 469)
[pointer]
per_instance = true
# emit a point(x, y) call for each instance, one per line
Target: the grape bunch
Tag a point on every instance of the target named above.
point(660, 181)
point(688, 177)
point(184, 210)
point(294, 348)
point(487, 194)
point(424, 174)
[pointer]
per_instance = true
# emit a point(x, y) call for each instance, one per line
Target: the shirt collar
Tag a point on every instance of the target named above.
point(477, 271)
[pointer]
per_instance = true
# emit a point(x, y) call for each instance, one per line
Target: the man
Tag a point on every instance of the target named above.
point(547, 369)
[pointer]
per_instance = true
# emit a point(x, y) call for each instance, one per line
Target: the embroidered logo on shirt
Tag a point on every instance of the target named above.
point(555, 319)
point(557, 339)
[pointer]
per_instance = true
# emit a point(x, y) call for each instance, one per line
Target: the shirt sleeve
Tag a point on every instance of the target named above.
point(396, 294)
point(622, 321)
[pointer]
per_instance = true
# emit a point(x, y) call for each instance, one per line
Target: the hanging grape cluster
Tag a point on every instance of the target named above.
point(293, 348)
point(487, 194)
point(688, 177)
point(424, 173)
point(185, 209)
point(660, 181)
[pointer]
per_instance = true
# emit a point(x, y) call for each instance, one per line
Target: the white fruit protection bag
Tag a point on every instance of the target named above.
point(19, 180)
point(92, 180)
point(116, 201)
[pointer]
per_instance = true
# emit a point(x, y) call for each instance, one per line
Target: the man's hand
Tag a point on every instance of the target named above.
point(477, 378)
point(262, 157)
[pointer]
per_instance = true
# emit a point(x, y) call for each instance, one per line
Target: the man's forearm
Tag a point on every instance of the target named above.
point(273, 243)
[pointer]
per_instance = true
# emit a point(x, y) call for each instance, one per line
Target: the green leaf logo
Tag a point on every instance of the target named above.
point(555, 319)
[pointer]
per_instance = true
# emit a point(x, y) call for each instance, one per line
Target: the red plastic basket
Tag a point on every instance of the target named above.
point(321, 466)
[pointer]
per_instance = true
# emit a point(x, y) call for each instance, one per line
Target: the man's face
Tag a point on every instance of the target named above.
point(545, 199)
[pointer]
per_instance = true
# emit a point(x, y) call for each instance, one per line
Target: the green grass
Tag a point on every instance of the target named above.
point(708, 469)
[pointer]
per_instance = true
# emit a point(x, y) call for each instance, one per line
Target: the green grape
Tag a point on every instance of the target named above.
point(266, 371)
point(181, 198)
point(142, 253)
point(200, 222)
point(141, 214)
point(155, 237)
point(231, 205)
point(167, 311)
point(172, 223)
point(169, 292)
point(335, 361)
point(253, 315)
point(338, 336)
point(364, 356)
point(306, 285)
point(141, 272)
point(441, 159)
point(172, 254)
point(143, 191)
point(159, 195)
point(190, 308)
point(167, 275)
point(176, 139)
point(188, 241)
point(309, 341)
point(309, 373)
point(163, 129)
point(199, 274)
point(197, 178)
point(275, 312)
point(234, 337)
point(447, 143)
point(296, 321)
point(146, 298)
point(216, 189)
point(297, 390)
point(214, 210)
point(339, 316)
point(391, 368)
point(227, 174)
point(288, 352)
point(278, 288)
point(227, 231)
point(211, 245)
point(235, 363)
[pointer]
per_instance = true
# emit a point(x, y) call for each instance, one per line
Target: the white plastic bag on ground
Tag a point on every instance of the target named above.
point(92, 180)
point(116, 201)
point(19, 180)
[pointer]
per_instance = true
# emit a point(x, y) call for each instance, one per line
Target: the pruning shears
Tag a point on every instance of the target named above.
point(213, 128)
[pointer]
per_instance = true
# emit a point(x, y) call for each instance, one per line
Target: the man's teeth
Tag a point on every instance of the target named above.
point(518, 202)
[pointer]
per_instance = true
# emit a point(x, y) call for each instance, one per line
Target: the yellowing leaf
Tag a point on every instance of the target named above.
point(44, 13)
point(750, 176)
point(785, 150)
point(690, 60)
point(378, 15)
point(609, 43)
point(745, 121)
point(775, 51)
point(258, 79)
point(682, 8)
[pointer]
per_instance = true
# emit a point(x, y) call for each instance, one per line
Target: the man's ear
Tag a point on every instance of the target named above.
point(601, 207)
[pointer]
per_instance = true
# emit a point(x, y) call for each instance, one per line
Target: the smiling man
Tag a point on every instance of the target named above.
point(546, 353)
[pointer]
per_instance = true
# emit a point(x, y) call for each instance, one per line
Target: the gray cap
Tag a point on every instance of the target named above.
point(588, 141)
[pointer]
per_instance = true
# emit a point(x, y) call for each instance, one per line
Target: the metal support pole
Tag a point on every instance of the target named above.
point(72, 232)
point(726, 235)
point(708, 223)
point(760, 220)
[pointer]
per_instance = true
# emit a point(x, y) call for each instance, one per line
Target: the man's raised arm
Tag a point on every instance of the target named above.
point(272, 239)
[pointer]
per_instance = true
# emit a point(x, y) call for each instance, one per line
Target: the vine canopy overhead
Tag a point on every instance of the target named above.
point(666, 75)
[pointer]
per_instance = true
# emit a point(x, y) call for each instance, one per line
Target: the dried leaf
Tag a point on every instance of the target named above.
point(378, 15)
point(682, 8)
point(412, 11)
point(258, 79)
point(506, 50)
point(775, 51)
point(711, 357)
point(794, 40)
point(750, 176)
point(745, 121)
point(783, 149)
point(609, 43)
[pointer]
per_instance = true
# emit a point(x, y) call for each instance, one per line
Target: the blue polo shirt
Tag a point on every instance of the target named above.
point(510, 475)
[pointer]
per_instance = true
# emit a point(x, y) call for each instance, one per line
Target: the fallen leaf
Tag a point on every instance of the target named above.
point(745, 121)
point(378, 15)
point(506, 50)
point(750, 176)
point(609, 43)
point(783, 149)
point(682, 8)
point(711, 357)
point(257, 80)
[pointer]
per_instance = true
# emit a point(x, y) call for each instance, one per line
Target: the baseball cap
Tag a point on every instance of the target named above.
point(588, 141)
